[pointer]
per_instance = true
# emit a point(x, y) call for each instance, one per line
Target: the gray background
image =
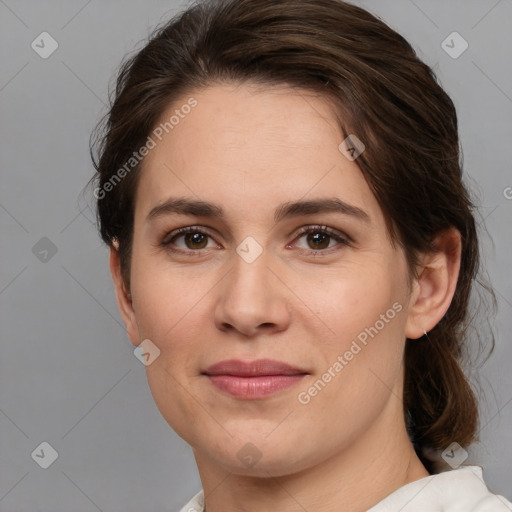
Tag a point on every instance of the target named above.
point(68, 375)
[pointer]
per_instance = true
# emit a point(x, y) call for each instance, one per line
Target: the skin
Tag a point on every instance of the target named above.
point(250, 149)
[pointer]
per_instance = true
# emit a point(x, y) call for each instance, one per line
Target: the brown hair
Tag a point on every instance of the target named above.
point(382, 92)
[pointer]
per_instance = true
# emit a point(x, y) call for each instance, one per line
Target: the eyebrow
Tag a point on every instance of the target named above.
point(198, 208)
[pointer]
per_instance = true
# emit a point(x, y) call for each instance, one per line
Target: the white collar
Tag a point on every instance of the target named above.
point(457, 490)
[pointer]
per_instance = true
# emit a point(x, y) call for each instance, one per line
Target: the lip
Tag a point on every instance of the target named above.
point(256, 368)
point(253, 379)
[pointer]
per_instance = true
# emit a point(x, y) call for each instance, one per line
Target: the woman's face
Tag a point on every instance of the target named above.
point(246, 283)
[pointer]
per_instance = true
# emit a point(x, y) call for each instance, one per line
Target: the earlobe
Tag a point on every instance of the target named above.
point(124, 298)
point(435, 285)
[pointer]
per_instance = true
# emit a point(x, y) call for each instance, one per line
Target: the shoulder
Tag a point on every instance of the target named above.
point(450, 491)
point(196, 504)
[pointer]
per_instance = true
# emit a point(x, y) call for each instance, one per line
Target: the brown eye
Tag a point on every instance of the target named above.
point(318, 240)
point(195, 240)
point(187, 239)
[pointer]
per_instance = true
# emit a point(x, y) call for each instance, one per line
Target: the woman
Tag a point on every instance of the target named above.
point(293, 252)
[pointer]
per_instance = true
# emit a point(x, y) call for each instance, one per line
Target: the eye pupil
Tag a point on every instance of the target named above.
point(196, 238)
point(319, 240)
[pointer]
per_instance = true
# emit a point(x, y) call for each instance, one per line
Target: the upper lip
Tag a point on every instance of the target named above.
point(258, 367)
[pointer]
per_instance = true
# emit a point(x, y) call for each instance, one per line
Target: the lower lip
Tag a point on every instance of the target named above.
point(254, 387)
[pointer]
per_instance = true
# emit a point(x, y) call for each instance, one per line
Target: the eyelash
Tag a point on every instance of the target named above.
point(343, 240)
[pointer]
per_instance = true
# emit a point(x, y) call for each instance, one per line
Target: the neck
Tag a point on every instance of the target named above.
point(359, 475)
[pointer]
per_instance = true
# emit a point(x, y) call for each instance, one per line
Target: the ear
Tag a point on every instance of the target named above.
point(435, 286)
point(124, 300)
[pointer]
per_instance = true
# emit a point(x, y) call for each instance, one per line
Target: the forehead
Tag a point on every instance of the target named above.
point(249, 147)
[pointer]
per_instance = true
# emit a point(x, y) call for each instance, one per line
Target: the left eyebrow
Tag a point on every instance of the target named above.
point(297, 208)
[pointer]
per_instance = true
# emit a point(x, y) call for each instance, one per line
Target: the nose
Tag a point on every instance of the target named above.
point(252, 299)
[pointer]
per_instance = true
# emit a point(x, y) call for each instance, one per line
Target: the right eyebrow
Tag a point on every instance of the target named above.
point(184, 206)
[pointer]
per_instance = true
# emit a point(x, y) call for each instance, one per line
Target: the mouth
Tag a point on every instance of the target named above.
point(254, 379)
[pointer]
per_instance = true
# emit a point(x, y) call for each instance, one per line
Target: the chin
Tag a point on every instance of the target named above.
point(259, 457)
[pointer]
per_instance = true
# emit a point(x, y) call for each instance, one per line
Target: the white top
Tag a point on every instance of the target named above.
point(458, 490)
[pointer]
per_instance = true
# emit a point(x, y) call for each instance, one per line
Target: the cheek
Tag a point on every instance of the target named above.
point(364, 310)
point(171, 312)
point(164, 294)
point(350, 300)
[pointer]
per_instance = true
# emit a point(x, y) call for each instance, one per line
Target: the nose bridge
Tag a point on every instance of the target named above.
point(251, 296)
point(249, 278)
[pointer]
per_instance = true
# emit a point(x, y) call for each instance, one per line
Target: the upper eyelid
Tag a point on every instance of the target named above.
point(327, 229)
point(187, 229)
